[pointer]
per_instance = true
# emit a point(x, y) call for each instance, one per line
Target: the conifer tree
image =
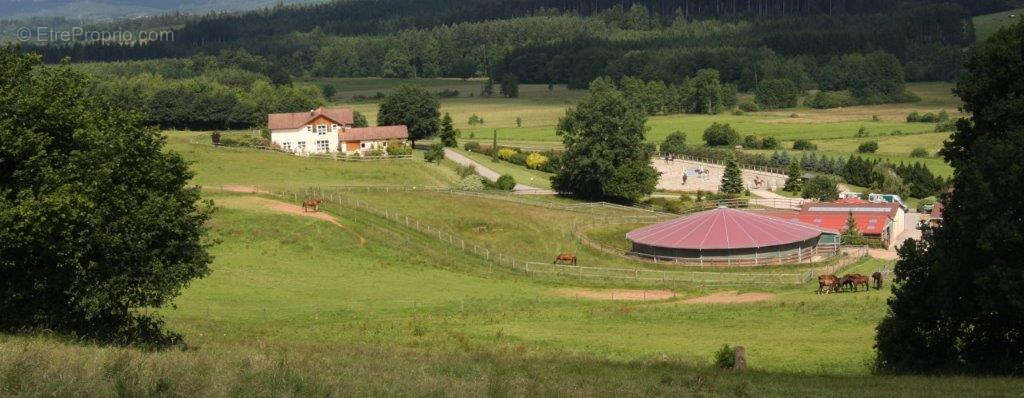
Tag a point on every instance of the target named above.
point(792, 178)
point(448, 133)
point(732, 179)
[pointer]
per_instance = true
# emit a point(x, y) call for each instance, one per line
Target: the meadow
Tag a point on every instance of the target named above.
point(298, 306)
point(989, 24)
point(835, 131)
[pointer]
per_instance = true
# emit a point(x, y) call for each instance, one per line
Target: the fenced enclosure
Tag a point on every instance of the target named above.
point(340, 199)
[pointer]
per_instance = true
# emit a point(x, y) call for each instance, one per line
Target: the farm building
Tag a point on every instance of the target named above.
point(329, 130)
point(725, 236)
point(882, 220)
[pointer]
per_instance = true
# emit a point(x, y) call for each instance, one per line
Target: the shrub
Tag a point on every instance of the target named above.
point(396, 148)
point(506, 182)
point(769, 143)
point(434, 153)
point(471, 182)
point(376, 153)
point(913, 117)
point(875, 118)
point(946, 126)
point(804, 145)
point(919, 153)
point(868, 147)
point(475, 120)
point(507, 154)
point(465, 170)
point(749, 106)
point(750, 142)
point(472, 146)
point(674, 144)
point(215, 138)
point(265, 133)
point(823, 188)
point(721, 134)
point(447, 93)
point(725, 357)
point(536, 161)
point(862, 132)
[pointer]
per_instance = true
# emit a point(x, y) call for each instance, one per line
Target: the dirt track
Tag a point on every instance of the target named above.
point(284, 207)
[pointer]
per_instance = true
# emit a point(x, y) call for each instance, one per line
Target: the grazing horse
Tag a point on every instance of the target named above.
point(311, 204)
point(857, 280)
point(565, 258)
point(827, 283)
point(877, 276)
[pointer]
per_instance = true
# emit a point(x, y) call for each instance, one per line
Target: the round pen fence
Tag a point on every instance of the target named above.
point(339, 197)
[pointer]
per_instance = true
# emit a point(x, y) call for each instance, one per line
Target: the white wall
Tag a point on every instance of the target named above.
point(292, 137)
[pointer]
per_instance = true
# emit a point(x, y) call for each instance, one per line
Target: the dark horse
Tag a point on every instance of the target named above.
point(857, 280)
point(565, 258)
point(311, 204)
point(877, 276)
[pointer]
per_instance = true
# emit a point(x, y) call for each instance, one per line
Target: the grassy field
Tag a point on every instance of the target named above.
point(298, 306)
point(833, 130)
point(523, 175)
point(989, 24)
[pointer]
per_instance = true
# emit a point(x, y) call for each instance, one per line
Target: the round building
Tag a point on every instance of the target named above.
point(725, 236)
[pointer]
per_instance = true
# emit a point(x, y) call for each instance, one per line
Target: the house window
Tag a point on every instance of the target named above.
point(334, 127)
point(287, 146)
point(323, 146)
point(302, 146)
point(363, 145)
point(321, 129)
point(309, 129)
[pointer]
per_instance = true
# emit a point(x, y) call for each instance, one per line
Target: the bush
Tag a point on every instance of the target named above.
point(868, 147)
point(674, 144)
point(447, 93)
point(749, 106)
point(395, 148)
point(506, 182)
point(804, 145)
point(475, 120)
point(471, 182)
point(376, 153)
point(215, 138)
point(434, 153)
point(769, 143)
point(750, 142)
point(919, 153)
point(507, 154)
point(536, 161)
point(945, 127)
point(725, 357)
point(721, 134)
point(465, 170)
point(472, 146)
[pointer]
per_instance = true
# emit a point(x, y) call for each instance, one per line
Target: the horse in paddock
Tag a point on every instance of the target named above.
point(877, 276)
point(857, 280)
point(311, 204)
point(827, 283)
point(565, 258)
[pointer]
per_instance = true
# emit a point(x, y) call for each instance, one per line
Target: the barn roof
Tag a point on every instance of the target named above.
point(278, 121)
point(867, 223)
point(725, 228)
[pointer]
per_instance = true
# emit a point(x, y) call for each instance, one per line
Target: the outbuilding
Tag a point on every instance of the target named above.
point(725, 236)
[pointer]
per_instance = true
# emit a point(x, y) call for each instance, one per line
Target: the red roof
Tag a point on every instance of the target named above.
point(278, 121)
point(867, 223)
point(851, 205)
point(937, 211)
point(725, 228)
point(399, 132)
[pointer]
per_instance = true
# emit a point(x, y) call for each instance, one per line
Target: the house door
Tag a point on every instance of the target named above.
point(351, 146)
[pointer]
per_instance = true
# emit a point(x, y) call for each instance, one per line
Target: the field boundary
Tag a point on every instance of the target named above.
point(534, 267)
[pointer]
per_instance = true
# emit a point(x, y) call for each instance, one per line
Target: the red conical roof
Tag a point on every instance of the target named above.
point(724, 228)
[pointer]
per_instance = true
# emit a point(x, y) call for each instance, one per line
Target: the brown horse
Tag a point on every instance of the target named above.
point(856, 280)
point(311, 204)
point(877, 276)
point(565, 258)
point(827, 283)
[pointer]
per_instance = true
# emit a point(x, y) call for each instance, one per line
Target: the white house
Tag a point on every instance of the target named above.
point(327, 130)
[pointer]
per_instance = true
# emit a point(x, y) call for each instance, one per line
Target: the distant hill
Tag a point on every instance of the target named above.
point(112, 9)
point(988, 24)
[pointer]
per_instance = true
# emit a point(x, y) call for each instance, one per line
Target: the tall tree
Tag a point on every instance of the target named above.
point(510, 86)
point(793, 175)
point(413, 107)
point(732, 178)
point(957, 305)
point(359, 119)
point(98, 221)
point(605, 155)
point(448, 133)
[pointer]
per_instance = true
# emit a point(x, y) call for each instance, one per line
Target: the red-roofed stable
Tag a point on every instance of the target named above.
point(730, 235)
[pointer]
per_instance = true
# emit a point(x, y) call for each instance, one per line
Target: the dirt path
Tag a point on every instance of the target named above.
point(492, 175)
point(237, 188)
point(284, 207)
point(616, 294)
point(730, 297)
